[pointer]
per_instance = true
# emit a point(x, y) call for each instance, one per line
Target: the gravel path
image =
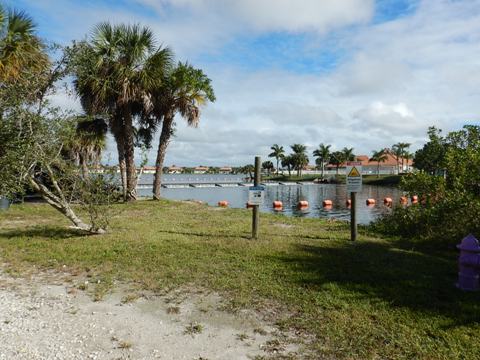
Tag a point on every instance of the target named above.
point(44, 317)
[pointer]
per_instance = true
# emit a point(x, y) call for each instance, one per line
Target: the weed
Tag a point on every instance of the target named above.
point(193, 329)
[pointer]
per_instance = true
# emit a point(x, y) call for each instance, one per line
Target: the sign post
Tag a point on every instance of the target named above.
point(354, 185)
point(255, 198)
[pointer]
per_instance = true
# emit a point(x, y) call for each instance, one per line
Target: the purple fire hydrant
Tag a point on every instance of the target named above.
point(469, 264)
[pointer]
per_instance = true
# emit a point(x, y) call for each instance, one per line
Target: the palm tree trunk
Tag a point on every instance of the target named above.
point(130, 156)
point(277, 165)
point(83, 165)
point(323, 168)
point(162, 150)
point(121, 161)
point(378, 169)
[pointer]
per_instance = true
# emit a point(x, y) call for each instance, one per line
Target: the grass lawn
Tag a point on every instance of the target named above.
point(374, 298)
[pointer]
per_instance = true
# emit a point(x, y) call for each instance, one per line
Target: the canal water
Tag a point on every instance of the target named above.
point(290, 195)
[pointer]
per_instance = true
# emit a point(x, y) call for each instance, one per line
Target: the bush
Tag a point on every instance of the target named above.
point(449, 205)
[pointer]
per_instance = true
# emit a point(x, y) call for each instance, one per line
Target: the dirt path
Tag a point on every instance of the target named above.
point(44, 317)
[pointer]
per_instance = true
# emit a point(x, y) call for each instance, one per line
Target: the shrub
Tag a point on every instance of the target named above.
point(449, 204)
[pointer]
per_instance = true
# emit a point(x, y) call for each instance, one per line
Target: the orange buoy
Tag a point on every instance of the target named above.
point(414, 199)
point(249, 205)
point(277, 205)
point(388, 201)
point(223, 203)
point(348, 202)
point(370, 201)
point(403, 200)
point(327, 203)
point(303, 204)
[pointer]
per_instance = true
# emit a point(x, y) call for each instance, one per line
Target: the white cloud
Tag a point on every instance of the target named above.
point(394, 79)
point(274, 15)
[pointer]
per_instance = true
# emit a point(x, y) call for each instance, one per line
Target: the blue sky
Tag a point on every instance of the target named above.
point(356, 73)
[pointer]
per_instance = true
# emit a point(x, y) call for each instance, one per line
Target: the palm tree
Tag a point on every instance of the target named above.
point(379, 156)
point(183, 91)
point(348, 154)
point(337, 158)
point(299, 156)
point(289, 163)
point(277, 152)
point(21, 51)
point(89, 141)
point(404, 149)
point(397, 152)
point(407, 156)
point(248, 169)
point(322, 154)
point(116, 72)
point(268, 166)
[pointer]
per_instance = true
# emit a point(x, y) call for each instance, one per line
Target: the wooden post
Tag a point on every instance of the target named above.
point(353, 216)
point(256, 208)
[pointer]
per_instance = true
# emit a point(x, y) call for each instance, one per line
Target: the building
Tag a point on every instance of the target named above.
point(175, 169)
point(149, 169)
point(200, 169)
point(390, 166)
point(225, 170)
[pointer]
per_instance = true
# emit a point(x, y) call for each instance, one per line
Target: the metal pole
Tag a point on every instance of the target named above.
point(353, 216)
point(256, 210)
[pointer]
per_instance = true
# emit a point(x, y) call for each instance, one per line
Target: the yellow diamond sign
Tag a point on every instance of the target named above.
point(354, 176)
point(354, 172)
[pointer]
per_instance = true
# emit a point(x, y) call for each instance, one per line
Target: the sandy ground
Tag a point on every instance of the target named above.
point(45, 316)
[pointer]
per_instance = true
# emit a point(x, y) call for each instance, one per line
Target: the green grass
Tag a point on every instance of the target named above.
point(375, 298)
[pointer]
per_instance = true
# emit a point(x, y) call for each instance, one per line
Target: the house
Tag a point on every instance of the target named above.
point(225, 170)
point(149, 169)
point(200, 169)
point(175, 169)
point(390, 166)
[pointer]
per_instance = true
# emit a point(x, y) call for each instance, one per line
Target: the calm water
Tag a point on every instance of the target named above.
point(290, 195)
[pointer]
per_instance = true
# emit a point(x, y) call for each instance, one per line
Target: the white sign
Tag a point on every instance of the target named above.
point(255, 195)
point(354, 176)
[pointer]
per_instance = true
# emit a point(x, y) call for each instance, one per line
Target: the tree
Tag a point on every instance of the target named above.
point(323, 155)
point(289, 163)
point(183, 91)
point(404, 150)
point(34, 152)
point(299, 157)
point(431, 156)
point(88, 142)
point(348, 154)
point(450, 201)
point(379, 156)
point(337, 158)
point(278, 153)
point(268, 166)
point(248, 169)
point(21, 51)
point(408, 156)
point(398, 151)
point(116, 73)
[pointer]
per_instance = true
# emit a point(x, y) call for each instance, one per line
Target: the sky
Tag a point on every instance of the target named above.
point(351, 73)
